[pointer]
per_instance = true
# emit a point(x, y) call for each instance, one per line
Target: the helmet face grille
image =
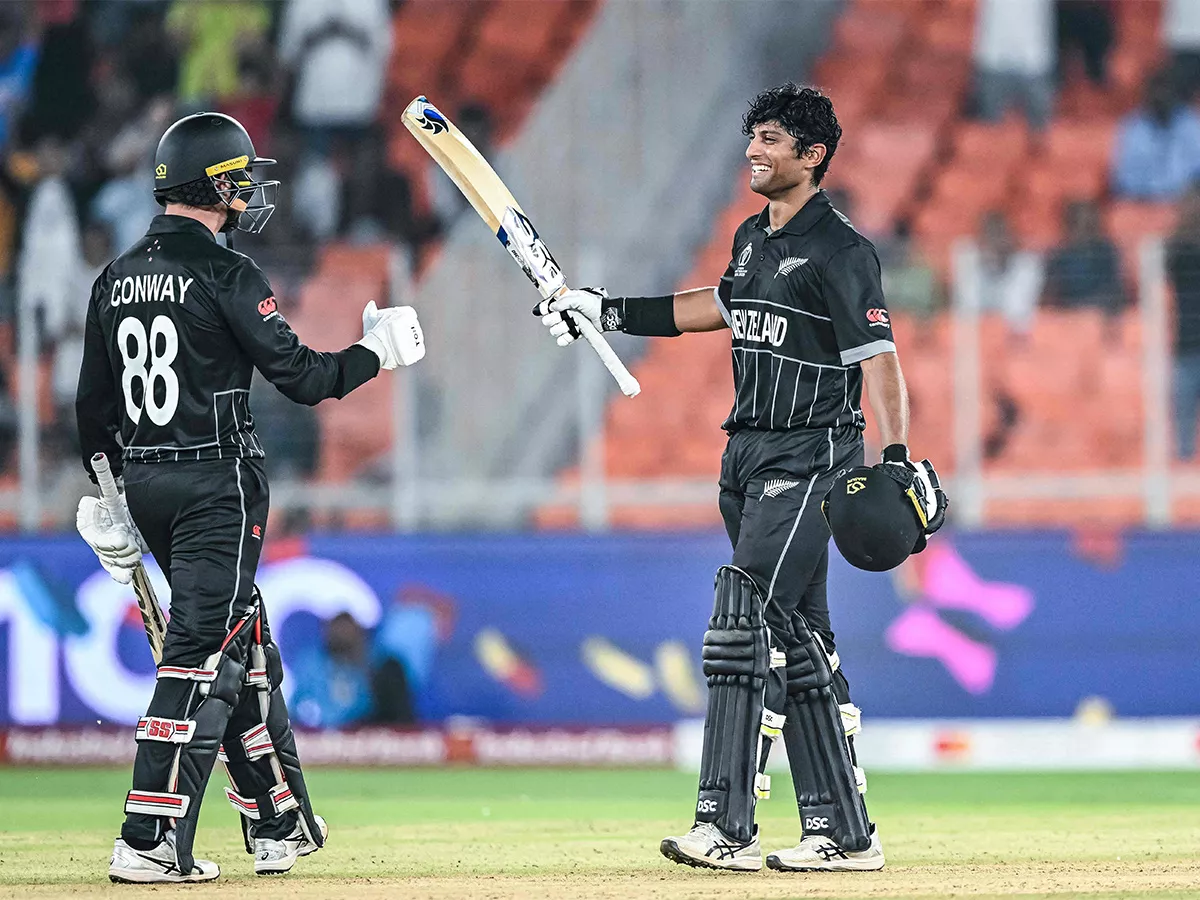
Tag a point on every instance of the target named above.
point(251, 202)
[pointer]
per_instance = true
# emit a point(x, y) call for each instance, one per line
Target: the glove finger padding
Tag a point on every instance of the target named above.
point(113, 538)
point(936, 500)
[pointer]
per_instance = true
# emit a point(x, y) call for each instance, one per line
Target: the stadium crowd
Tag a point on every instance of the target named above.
point(87, 88)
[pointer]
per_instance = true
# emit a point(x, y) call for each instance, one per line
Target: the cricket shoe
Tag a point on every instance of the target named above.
point(156, 866)
point(707, 847)
point(818, 853)
point(273, 857)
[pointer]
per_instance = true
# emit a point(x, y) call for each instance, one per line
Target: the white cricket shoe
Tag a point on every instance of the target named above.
point(818, 853)
point(157, 866)
point(708, 847)
point(273, 857)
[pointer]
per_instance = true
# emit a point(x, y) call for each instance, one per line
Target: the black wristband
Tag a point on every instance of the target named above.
point(648, 316)
point(895, 453)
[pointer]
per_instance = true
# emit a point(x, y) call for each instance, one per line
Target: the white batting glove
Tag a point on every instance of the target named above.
point(393, 334)
point(586, 302)
point(112, 536)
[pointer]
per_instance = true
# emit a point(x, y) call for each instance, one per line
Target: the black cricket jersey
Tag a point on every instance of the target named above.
point(175, 327)
point(805, 304)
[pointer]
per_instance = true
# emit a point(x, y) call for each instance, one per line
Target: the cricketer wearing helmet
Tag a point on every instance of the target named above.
point(176, 326)
point(803, 301)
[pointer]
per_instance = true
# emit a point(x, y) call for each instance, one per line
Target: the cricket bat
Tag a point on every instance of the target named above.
point(498, 208)
point(152, 614)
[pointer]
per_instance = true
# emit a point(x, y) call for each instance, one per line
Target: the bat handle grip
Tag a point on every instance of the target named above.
point(104, 477)
point(625, 380)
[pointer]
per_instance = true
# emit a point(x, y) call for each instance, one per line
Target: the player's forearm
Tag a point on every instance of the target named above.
point(697, 310)
point(666, 316)
point(889, 397)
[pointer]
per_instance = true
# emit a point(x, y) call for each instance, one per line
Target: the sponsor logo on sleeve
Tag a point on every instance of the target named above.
point(268, 308)
point(878, 317)
point(856, 484)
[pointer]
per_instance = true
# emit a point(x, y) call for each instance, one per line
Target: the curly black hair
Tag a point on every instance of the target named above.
point(804, 112)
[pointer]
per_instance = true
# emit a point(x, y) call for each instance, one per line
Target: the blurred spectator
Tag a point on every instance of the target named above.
point(255, 102)
point(1088, 26)
point(1015, 59)
point(61, 97)
point(68, 351)
point(18, 63)
point(336, 685)
point(909, 282)
point(125, 203)
point(317, 193)
point(1010, 280)
point(1084, 271)
point(149, 56)
point(1183, 271)
point(1158, 145)
point(1181, 34)
point(214, 35)
point(337, 51)
point(379, 199)
point(51, 257)
point(333, 684)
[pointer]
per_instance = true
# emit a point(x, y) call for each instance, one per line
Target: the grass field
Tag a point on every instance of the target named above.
point(567, 834)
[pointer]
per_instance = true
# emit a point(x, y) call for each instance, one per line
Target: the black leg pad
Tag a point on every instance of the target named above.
point(738, 668)
point(818, 751)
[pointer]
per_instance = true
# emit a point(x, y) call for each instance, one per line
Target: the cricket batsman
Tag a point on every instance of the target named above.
point(176, 325)
point(803, 298)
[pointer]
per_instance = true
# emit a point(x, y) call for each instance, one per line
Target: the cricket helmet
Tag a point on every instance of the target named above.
point(876, 521)
point(206, 159)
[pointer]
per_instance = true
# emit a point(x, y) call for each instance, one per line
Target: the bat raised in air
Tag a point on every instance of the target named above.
point(499, 209)
point(152, 614)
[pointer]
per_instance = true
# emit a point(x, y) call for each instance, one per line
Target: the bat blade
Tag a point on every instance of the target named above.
point(495, 204)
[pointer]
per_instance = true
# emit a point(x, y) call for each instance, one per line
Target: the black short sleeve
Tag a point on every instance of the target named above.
point(854, 295)
point(724, 289)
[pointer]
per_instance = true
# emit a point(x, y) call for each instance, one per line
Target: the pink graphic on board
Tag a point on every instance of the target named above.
point(940, 579)
point(949, 583)
point(919, 632)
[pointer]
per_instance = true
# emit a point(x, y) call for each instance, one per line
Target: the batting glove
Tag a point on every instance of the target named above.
point(393, 334)
point(112, 536)
point(921, 479)
point(559, 313)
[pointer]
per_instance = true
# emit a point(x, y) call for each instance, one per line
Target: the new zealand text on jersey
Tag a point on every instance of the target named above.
point(758, 326)
point(149, 288)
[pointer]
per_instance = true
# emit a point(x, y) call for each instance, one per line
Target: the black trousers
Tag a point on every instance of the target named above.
point(772, 484)
point(204, 522)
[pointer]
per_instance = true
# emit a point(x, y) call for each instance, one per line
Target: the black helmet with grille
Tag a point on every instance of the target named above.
point(206, 159)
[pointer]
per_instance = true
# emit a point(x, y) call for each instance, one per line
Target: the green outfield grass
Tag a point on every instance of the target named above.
point(582, 834)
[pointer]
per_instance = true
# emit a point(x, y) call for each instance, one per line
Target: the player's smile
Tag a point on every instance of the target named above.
point(774, 165)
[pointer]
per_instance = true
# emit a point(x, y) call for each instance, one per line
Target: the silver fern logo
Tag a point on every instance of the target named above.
point(789, 265)
point(776, 486)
